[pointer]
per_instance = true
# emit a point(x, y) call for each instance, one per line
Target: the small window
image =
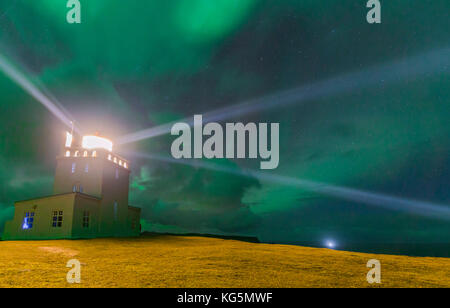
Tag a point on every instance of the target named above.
point(81, 189)
point(57, 220)
point(77, 154)
point(86, 168)
point(86, 216)
point(109, 157)
point(125, 165)
point(117, 174)
point(68, 154)
point(28, 221)
point(94, 154)
point(85, 154)
point(74, 166)
point(115, 160)
point(120, 163)
point(74, 188)
point(115, 210)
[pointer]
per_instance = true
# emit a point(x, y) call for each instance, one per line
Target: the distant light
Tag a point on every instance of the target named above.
point(25, 225)
point(68, 140)
point(95, 142)
point(330, 244)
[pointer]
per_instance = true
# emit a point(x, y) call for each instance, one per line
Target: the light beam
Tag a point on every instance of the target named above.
point(22, 81)
point(422, 208)
point(433, 62)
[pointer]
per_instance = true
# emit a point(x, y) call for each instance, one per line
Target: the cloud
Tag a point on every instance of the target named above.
point(6, 213)
point(193, 198)
point(20, 182)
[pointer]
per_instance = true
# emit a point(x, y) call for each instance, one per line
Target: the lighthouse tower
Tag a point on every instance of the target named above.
point(88, 165)
point(90, 196)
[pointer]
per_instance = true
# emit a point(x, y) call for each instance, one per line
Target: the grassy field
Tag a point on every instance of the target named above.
point(175, 261)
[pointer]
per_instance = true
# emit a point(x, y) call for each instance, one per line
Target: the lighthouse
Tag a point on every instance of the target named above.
point(90, 196)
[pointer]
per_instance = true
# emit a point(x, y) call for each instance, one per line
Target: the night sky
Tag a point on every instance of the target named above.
point(136, 64)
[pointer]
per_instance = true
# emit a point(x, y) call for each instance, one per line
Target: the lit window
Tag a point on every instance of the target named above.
point(94, 154)
point(68, 154)
point(85, 154)
point(68, 140)
point(28, 221)
point(115, 160)
point(77, 188)
point(57, 219)
point(86, 168)
point(120, 162)
point(109, 157)
point(74, 166)
point(117, 173)
point(125, 165)
point(77, 154)
point(115, 210)
point(86, 215)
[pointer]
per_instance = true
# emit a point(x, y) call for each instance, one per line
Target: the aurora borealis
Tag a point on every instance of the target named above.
point(133, 65)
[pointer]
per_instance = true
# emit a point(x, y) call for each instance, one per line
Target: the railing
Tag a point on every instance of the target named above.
point(81, 152)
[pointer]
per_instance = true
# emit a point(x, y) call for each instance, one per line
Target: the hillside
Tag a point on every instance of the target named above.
point(176, 261)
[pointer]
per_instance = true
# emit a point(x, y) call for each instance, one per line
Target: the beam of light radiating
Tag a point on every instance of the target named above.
point(22, 81)
point(433, 62)
point(422, 208)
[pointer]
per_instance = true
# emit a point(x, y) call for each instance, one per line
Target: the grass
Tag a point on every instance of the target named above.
point(176, 261)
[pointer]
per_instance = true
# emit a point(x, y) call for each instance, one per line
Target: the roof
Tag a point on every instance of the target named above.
point(60, 195)
point(138, 209)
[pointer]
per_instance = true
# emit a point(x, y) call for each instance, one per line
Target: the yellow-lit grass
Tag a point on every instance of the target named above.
point(175, 261)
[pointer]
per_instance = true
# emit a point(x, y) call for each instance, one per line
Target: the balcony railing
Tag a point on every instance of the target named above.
point(81, 152)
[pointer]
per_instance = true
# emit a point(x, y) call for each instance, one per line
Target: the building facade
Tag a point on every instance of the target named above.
point(90, 197)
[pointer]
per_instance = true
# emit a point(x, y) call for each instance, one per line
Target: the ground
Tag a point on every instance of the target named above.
point(176, 261)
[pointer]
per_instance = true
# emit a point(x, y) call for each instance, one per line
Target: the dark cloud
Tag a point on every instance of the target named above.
point(194, 198)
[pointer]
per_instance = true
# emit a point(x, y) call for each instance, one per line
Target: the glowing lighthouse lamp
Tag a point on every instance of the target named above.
point(91, 142)
point(95, 142)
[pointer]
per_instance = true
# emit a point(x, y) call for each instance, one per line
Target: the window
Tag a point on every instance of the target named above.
point(125, 165)
point(68, 154)
point(109, 157)
point(117, 173)
point(94, 154)
point(86, 216)
point(86, 168)
point(115, 160)
point(115, 210)
point(28, 221)
point(74, 166)
point(120, 162)
point(85, 154)
point(57, 219)
point(77, 154)
point(69, 138)
point(77, 188)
